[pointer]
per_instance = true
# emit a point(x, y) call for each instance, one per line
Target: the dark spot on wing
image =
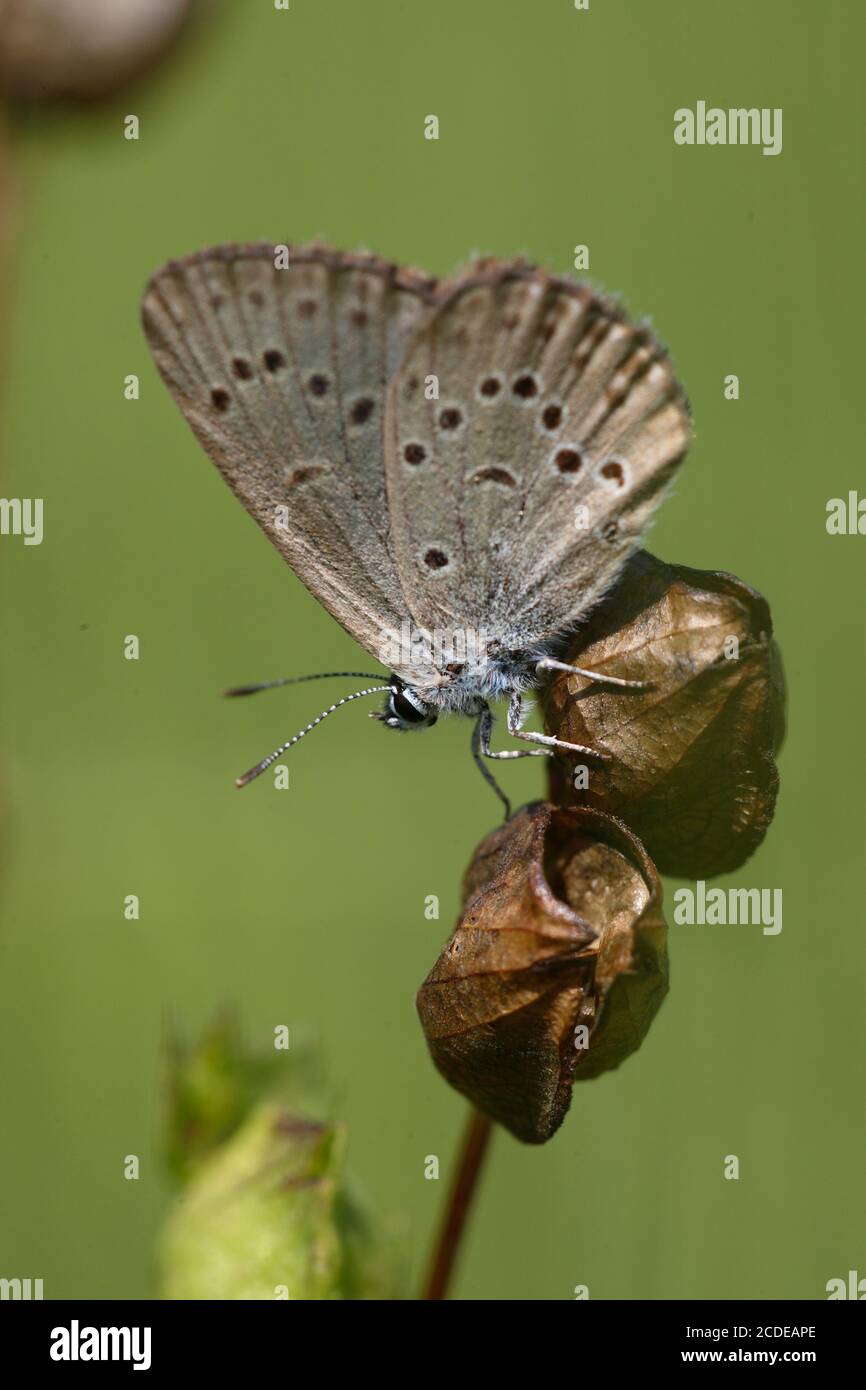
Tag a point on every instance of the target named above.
point(567, 460)
point(435, 559)
point(242, 368)
point(318, 384)
point(414, 453)
point(525, 387)
point(220, 399)
point(615, 472)
point(274, 359)
point(494, 475)
point(302, 475)
point(551, 417)
point(362, 410)
point(450, 418)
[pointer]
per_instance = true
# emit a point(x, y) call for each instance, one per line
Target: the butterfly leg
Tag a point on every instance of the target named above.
point(547, 663)
point(481, 745)
point(484, 729)
point(515, 720)
point(481, 750)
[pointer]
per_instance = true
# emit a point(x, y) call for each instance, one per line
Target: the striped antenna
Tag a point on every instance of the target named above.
point(298, 680)
point(278, 752)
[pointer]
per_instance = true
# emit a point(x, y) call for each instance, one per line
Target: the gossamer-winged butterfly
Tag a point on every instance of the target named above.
point(458, 470)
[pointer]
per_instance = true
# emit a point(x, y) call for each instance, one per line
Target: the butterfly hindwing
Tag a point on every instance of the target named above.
point(530, 434)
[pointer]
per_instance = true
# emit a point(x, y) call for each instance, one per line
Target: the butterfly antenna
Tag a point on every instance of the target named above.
point(278, 752)
point(298, 680)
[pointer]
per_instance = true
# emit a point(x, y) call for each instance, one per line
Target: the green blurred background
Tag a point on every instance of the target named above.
point(306, 907)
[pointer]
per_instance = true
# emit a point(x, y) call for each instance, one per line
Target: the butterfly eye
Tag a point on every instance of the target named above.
point(405, 710)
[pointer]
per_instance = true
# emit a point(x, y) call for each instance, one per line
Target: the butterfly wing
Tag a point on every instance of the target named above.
point(517, 496)
point(281, 373)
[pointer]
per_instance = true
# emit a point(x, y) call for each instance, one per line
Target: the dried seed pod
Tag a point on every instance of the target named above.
point(555, 969)
point(82, 49)
point(690, 760)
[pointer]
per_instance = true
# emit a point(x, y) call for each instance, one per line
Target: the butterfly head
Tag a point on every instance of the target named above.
point(404, 708)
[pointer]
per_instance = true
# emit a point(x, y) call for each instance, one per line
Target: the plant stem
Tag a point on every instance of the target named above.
point(476, 1138)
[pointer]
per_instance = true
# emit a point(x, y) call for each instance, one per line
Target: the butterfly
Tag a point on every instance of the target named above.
point(457, 469)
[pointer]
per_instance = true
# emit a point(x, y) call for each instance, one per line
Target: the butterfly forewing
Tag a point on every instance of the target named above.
point(281, 373)
point(518, 494)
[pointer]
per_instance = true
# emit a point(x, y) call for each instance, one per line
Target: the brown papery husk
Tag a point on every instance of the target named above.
point(691, 761)
point(561, 927)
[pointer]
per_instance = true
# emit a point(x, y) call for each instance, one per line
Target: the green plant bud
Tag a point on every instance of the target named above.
point(269, 1216)
point(211, 1086)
